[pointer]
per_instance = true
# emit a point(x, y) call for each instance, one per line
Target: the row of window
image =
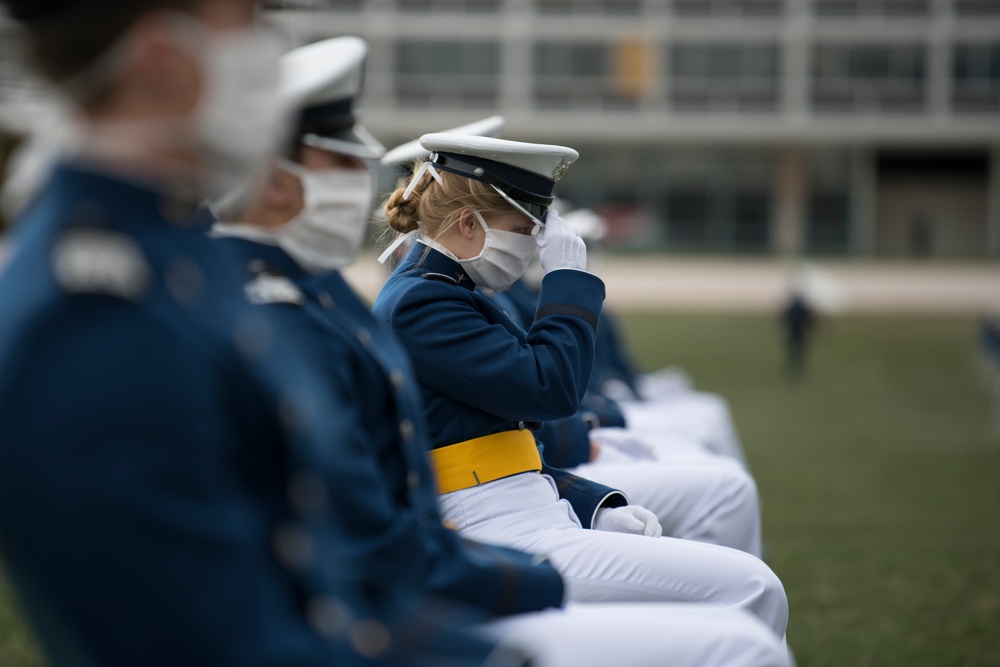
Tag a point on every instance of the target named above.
point(692, 8)
point(699, 76)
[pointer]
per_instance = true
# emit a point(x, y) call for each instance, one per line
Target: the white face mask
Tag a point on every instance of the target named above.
point(504, 258)
point(239, 120)
point(329, 231)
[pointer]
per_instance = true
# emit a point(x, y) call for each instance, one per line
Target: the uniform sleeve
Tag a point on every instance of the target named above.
point(567, 441)
point(394, 543)
point(123, 505)
point(459, 353)
point(585, 496)
point(611, 358)
point(605, 411)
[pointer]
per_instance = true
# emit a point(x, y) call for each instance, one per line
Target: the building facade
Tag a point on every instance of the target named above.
point(797, 127)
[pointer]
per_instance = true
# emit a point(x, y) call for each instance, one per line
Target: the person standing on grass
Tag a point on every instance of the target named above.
point(163, 453)
point(798, 322)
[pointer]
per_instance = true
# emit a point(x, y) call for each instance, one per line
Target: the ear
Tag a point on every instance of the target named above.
point(467, 224)
point(168, 76)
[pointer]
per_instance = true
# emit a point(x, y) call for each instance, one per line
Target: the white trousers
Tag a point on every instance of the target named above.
point(641, 635)
point(525, 512)
point(705, 498)
point(694, 415)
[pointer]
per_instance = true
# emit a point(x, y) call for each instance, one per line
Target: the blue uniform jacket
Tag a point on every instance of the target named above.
point(611, 360)
point(567, 441)
point(162, 457)
point(481, 373)
point(384, 485)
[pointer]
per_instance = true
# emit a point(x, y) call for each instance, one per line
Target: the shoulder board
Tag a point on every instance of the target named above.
point(439, 277)
point(98, 261)
point(265, 289)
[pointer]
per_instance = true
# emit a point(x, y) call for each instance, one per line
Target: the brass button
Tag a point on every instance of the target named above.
point(365, 337)
point(406, 430)
point(294, 546)
point(329, 617)
point(307, 492)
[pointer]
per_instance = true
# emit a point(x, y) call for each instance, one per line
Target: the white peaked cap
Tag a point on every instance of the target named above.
point(406, 154)
point(545, 160)
point(523, 174)
point(322, 82)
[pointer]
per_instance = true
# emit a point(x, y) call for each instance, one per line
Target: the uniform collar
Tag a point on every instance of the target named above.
point(260, 256)
point(426, 259)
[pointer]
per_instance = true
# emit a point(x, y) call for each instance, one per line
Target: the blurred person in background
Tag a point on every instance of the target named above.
point(163, 454)
point(475, 207)
point(305, 220)
point(797, 322)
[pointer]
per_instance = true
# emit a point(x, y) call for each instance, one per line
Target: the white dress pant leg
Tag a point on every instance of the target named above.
point(699, 415)
point(660, 445)
point(641, 635)
point(524, 512)
point(711, 499)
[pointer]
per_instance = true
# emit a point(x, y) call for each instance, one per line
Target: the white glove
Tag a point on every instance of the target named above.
point(559, 246)
point(629, 519)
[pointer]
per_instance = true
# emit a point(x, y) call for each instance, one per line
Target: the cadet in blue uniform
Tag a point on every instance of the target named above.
point(384, 483)
point(486, 382)
point(697, 496)
point(164, 457)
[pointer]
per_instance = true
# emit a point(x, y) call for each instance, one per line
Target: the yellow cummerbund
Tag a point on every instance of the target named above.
point(480, 460)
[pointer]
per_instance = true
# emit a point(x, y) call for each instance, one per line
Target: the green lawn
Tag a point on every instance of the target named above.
point(881, 488)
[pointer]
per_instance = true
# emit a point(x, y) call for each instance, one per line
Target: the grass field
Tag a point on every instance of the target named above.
point(881, 488)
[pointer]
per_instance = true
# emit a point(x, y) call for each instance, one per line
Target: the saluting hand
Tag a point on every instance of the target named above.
point(629, 519)
point(559, 246)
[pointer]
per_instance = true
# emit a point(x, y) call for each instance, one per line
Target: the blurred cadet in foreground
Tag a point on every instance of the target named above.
point(306, 221)
point(163, 456)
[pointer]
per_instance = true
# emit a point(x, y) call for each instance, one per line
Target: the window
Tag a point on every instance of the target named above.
point(869, 77)
point(339, 5)
point(751, 221)
point(446, 73)
point(700, 218)
point(871, 7)
point(828, 223)
point(977, 7)
point(594, 74)
point(724, 76)
point(687, 219)
point(703, 8)
point(471, 6)
point(976, 78)
point(610, 7)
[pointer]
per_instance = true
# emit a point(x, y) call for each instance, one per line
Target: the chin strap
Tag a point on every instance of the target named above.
point(400, 240)
point(426, 167)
